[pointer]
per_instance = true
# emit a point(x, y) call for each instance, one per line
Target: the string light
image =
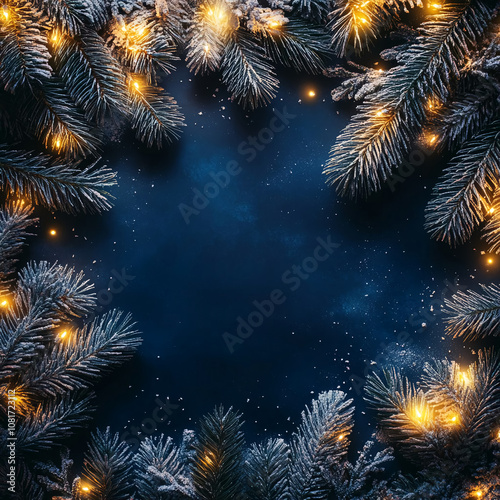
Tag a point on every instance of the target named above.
point(478, 493)
point(432, 139)
point(63, 334)
point(341, 437)
point(206, 48)
point(6, 12)
point(311, 93)
point(4, 303)
point(491, 210)
point(490, 261)
point(436, 5)
point(136, 85)
point(52, 232)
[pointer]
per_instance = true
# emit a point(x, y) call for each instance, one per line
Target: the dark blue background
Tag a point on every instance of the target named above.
point(193, 281)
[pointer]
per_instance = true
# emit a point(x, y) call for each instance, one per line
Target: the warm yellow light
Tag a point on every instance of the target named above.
point(274, 24)
point(136, 85)
point(380, 70)
point(380, 112)
point(63, 334)
point(432, 139)
point(490, 261)
point(52, 232)
point(341, 437)
point(124, 27)
point(4, 303)
point(491, 210)
point(418, 413)
point(206, 48)
point(54, 37)
point(311, 93)
point(5, 12)
point(85, 488)
point(478, 493)
point(436, 5)
point(58, 143)
point(363, 20)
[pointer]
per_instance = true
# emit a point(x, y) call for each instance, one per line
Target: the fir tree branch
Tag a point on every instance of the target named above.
point(320, 444)
point(60, 187)
point(247, 72)
point(380, 135)
point(216, 471)
point(155, 117)
point(463, 196)
point(78, 361)
point(108, 467)
point(24, 56)
point(93, 77)
point(474, 315)
point(267, 469)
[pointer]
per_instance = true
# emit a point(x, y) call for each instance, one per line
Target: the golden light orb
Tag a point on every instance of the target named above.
point(4, 303)
point(136, 85)
point(206, 48)
point(491, 210)
point(85, 488)
point(418, 413)
point(311, 93)
point(436, 5)
point(63, 334)
point(52, 232)
point(490, 261)
point(341, 437)
point(5, 12)
point(363, 20)
point(432, 139)
point(58, 143)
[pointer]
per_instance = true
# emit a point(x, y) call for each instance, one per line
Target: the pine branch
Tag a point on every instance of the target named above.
point(356, 481)
point(492, 228)
point(320, 444)
point(60, 125)
point(14, 222)
point(93, 77)
point(356, 24)
point(143, 47)
point(108, 467)
point(297, 45)
point(381, 134)
point(466, 116)
point(267, 468)
point(217, 468)
point(463, 196)
point(163, 471)
point(58, 292)
point(51, 423)
point(247, 72)
point(57, 186)
point(24, 56)
point(210, 32)
point(73, 15)
point(317, 10)
point(78, 361)
point(474, 315)
point(155, 117)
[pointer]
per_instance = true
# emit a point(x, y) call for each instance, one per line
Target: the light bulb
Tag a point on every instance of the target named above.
point(52, 232)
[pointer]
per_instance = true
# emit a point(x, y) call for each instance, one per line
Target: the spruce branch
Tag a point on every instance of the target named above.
point(247, 72)
point(93, 77)
point(51, 422)
point(381, 134)
point(14, 222)
point(464, 194)
point(78, 361)
point(164, 470)
point(320, 444)
point(44, 181)
point(24, 56)
point(297, 45)
point(156, 117)
point(474, 315)
point(108, 467)
point(219, 455)
point(267, 470)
